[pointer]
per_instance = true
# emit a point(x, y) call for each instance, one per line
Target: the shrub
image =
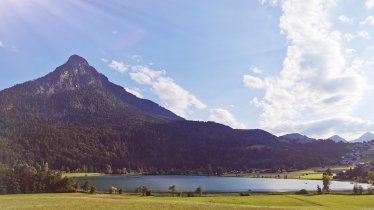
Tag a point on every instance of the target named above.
point(112, 190)
point(199, 190)
point(370, 190)
point(148, 192)
point(190, 194)
point(245, 194)
point(93, 190)
point(302, 192)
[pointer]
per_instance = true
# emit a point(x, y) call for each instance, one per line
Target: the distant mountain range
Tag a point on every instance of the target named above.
point(364, 138)
point(296, 137)
point(74, 117)
point(337, 138)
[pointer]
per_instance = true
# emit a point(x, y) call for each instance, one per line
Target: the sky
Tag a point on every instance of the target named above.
point(281, 65)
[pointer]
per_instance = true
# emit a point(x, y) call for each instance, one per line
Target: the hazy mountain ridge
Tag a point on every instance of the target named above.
point(337, 138)
point(296, 137)
point(364, 138)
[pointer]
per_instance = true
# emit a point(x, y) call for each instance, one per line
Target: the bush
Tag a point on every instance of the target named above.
point(93, 190)
point(302, 192)
point(112, 190)
point(148, 192)
point(370, 190)
point(199, 191)
point(245, 194)
point(190, 194)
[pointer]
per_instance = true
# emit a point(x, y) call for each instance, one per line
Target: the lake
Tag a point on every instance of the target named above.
point(210, 183)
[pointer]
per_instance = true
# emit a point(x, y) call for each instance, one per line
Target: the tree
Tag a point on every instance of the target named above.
point(93, 190)
point(141, 189)
point(45, 166)
point(328, 171)
point(112, 190)
point(173, 189)
point(326, 180)
point(86, 186)
point(370, 190)
point(199, 190)
point(355, 189)
point(319, 190)
point(360, 190)
point(108, 169)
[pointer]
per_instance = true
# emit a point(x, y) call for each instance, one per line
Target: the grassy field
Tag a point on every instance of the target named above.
point(106, 201)
point(310, 173)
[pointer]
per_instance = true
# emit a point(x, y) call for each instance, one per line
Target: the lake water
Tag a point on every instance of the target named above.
point(210, 183)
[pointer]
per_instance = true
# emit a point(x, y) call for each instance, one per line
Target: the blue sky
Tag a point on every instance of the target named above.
point(284, 66)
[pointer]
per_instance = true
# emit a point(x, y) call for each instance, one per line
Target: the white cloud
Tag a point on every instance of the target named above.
point(118, 66)
point(137, 58)
point(175, 98)
point(363, 34)
point(256, 70)
point(104, 60)
point(368, 21)
point(253, 82)
point(318, 86)
point(348, 37)
point(225, 117)
point(344, 19)
point(134, 91)
point(271, 2)
point(1, 44)
point(369, 4)
point(350, 51)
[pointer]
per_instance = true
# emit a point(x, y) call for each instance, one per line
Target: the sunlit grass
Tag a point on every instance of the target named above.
point(218, 201)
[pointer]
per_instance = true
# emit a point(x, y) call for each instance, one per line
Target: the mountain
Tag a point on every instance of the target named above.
point(76, 87)
point(364, 138)
point(337, 138)
point(296, 137)
point(75, 118)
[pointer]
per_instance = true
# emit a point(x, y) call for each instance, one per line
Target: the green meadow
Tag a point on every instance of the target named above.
point(310, 173)
point(209, 202)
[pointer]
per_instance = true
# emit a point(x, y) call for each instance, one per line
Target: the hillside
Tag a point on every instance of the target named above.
point(75, 117)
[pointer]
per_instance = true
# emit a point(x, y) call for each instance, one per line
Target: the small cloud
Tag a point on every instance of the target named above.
point(368, 21)
point(369, 4)
point(118, 66)
point(256, 70)
point(137, 58)
point(1, 44)
point(104, 60)
point(345, 19)
point(270, 2)
point(253, 82)
point(134, 91)
point(348, 37)
point(114, 32)
point(363, 34)
point(225, 117)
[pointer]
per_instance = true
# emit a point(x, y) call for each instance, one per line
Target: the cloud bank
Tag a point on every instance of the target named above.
point(318, 86)
point(173, 96)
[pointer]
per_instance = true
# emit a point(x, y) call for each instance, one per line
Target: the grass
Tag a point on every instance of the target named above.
point(310, 173)
point(209, 202)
